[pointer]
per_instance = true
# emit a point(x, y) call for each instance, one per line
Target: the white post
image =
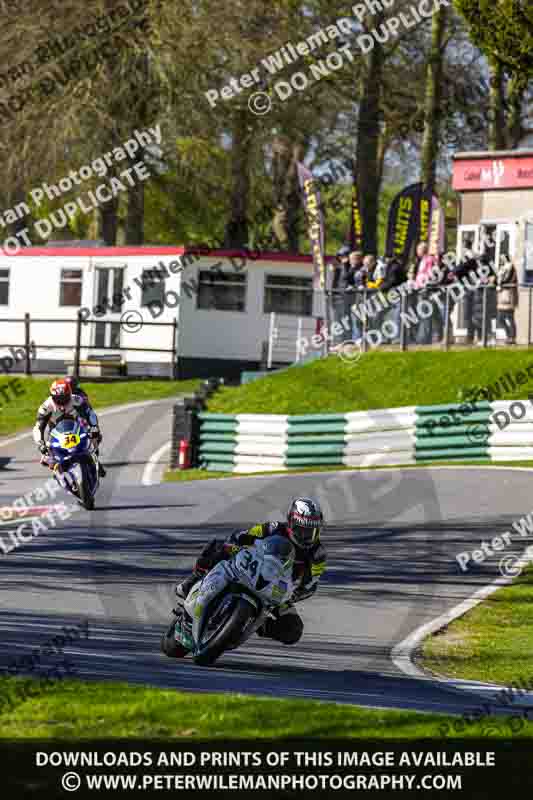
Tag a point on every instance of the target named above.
point(271, 338)
point(299, 339)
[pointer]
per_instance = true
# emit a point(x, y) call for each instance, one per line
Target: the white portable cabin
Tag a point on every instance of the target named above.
point(214, 308)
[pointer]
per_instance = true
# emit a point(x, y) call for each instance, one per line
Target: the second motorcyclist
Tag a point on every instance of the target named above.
point(63, 403)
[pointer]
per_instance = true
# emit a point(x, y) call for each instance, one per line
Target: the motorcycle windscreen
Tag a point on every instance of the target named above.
point(69, 438)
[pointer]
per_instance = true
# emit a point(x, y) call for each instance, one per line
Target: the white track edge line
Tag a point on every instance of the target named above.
point(151, 464)
point(401, 653)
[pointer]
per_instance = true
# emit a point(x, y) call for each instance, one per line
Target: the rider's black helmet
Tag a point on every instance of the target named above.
point(73, 383)
point(304, 521)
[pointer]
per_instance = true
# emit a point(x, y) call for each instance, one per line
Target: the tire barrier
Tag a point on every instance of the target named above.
point(499, 431)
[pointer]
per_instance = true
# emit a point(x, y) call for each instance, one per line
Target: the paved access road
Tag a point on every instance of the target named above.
point(392, 538)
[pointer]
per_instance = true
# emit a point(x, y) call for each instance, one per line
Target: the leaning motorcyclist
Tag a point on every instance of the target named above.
point(304, 521)
point(63, 403)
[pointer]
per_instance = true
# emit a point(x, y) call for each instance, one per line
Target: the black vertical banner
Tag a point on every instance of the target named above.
point(404, 222)
point(426, 200)
point(356, 220)
point(315, 224)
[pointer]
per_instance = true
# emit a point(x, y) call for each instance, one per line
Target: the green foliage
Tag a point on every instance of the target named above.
point(188, 203)
point(503, 30)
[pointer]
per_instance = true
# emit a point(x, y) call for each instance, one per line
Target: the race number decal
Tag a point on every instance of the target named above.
point(249, 563)
point(70, 440)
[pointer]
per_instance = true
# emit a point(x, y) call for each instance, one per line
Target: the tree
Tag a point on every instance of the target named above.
point(503, 30)
point(496, 106)
point(83, 100)
point(433, 100)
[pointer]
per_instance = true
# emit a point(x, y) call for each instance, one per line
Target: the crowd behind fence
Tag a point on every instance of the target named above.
point(443, 315)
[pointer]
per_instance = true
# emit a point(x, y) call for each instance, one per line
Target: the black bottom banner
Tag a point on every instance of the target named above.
point(281, 768)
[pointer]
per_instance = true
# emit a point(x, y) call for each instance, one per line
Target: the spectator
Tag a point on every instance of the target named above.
point(341, 290)
point(370, 266)
point(421, 252)
point(412, 272)
point(483, 303)
point(356, 264)
point(394, 276)
point(448, 267)
point(425, 276)
point(357, 281)
point(374, 278)
point(507, 298)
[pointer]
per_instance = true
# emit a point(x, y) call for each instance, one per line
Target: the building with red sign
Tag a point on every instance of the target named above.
point(496, 212)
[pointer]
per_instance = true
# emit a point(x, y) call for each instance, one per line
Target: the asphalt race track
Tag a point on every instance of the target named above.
point(392, 538)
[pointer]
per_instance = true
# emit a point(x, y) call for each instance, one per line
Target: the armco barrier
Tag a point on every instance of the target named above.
point(386, 437)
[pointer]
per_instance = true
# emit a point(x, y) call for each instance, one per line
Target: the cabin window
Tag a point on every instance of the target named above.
point(70, 287)
point(4, 287)
point(286, 294)
point(152, 287)
point(528, 254)
point(221, 291)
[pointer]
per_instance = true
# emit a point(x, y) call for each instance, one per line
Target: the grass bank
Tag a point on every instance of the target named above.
point(18, 411)
point(378, 380)
point(78, 710)
point(493, 642)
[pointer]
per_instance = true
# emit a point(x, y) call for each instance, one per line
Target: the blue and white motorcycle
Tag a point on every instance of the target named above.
point(75, 463)
point(233, 600)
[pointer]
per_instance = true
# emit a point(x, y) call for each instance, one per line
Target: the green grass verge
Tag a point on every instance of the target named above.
point(18, 413)
point(78, 710)
point(378, 380)
point(203, 474)
point(493, 642)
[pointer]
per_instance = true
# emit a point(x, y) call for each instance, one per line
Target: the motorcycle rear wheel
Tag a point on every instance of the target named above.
point(169, 646)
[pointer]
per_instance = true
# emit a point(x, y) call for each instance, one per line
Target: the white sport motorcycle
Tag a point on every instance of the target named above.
point(233, 600)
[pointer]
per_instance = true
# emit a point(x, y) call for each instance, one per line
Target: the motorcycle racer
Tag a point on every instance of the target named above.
point(302, 528)
point(76, 388)
point(63, 403)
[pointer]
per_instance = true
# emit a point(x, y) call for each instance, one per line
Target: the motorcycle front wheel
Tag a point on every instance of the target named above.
point(86, 498)
point(227, 635)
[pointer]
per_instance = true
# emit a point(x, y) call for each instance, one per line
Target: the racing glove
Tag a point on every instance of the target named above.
point(43, 447)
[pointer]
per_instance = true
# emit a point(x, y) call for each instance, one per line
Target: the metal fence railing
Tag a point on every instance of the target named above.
point(445, 315)
point(37, 344)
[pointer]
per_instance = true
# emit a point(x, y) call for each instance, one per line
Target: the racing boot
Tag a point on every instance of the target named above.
point(182, 589)
point(266, 629)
